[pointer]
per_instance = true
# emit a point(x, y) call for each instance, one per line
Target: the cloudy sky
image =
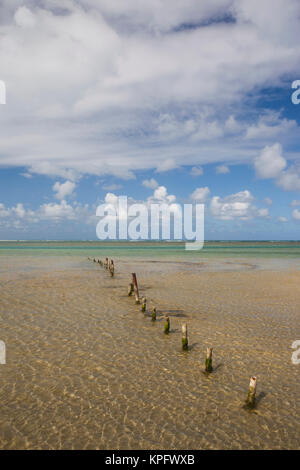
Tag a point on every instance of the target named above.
point(165, 100)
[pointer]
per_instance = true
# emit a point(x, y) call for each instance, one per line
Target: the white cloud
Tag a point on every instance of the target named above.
point(197, 171)
point(151, 183)
point(270, 162)
point(263, 212)
point(295, 203)
point(166, 165)
point(296, 214)
point(222, 170)
point(269, 126)
point(268, 201)
point(200, 194)
point(237, 205)
point(111, 198)
point(112, 187)
point(161, 195)
point(24, 18)
point(95, 108)
point(289, 180)
point(282, 219)
point(63, 190)
point(54, 210)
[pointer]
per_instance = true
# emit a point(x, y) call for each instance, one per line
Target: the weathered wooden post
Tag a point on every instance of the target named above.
point(111, 268)
point(106, 263)
point(153, 314)
point(251, 392)
point(167, 326)
point(185, 342)
point(208, 360)
point(136, 288)
point(143, 308)
point(130, 289)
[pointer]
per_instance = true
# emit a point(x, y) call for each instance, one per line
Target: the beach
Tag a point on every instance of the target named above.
point(86, 369)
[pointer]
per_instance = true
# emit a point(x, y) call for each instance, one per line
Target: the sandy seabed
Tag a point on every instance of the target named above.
point(86, 369)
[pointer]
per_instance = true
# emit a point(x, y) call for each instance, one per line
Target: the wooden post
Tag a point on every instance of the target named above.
point(144, 300)
point(153, 314)
point(208, 360)
point(94, 260)
point(106, 263)
point(167, 326)
point(185, 342)
point(111, 268)
point(136, 288)
point(251, 392)
point(130, 289)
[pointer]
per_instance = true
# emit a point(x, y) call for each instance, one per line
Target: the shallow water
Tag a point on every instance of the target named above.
point(86, 369)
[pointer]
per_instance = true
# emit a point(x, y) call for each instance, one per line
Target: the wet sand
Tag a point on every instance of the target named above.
point(87, 370)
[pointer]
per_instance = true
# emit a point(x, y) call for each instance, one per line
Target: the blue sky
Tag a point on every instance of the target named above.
point(184, 99)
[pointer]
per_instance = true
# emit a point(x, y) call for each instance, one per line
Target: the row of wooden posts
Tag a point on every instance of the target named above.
point(133, 289)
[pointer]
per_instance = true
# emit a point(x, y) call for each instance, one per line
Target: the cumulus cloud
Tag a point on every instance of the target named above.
point(295, 203)
point(289, 180)
point(239, 205)
point(270, 162)
point(222, 170)
point(282, 219)
point(296, 214)
point(115, 87)
point(268, 201)
point(270, 126)
point(112, 187)
point(150, 184)
point(200, 194)
point(63, 190)
point(197, 171)
point(161, 195)
point(60, 210)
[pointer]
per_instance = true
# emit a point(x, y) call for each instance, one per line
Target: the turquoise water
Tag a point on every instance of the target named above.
point(271, 250)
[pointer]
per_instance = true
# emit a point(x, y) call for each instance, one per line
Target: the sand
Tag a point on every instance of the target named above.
point(87, 370)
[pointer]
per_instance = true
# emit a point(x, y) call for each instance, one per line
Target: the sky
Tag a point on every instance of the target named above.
point(165, 101)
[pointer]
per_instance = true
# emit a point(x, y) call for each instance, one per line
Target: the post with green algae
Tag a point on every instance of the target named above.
point(185, 342)
point(143, 308)
point(111, 268)
point(130, 289)
point(167, 326)
point(153, 314)
point(251, 392)
point(208, 360)
point(105, 263)
point(136, 289)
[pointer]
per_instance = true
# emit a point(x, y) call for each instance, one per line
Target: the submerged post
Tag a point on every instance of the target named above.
point(185, 342)
point(136, 289)
point(144, 300)
point(111, 268)
point(153, 314)
point(251, 392)
point(208, 360)
point(167, 326)
point(130, 289)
